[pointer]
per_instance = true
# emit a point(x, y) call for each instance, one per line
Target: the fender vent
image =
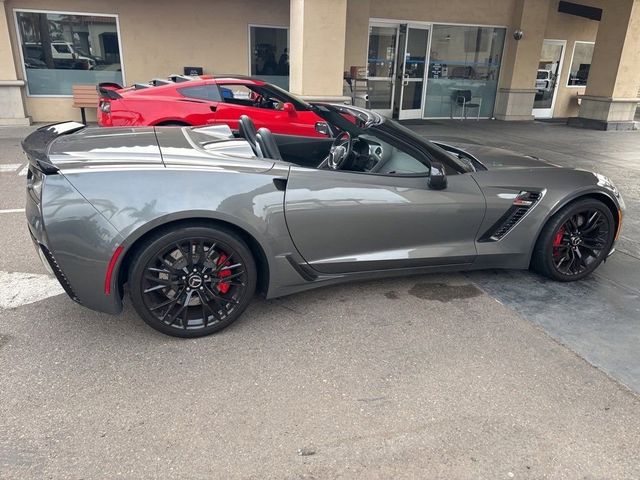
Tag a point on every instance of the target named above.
point(522, 204)
point(59, 274)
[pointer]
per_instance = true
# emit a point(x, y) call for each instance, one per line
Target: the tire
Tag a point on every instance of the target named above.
point(568, 250)
point(173, 124)
point(187, 295)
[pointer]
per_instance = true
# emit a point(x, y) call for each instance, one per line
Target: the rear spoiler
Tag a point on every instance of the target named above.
point(180, 78)
point(156, 82)
point(108, 90)
point(36, 145)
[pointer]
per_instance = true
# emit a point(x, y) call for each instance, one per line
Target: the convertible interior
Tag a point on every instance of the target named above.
point(362, 153)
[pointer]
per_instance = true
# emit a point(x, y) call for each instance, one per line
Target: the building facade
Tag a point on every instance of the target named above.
point(412, 59)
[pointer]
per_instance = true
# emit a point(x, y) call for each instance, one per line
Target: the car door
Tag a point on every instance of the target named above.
point(352, 222)
point(237, 100)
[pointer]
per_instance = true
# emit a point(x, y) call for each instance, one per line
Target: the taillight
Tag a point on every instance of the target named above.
point(105, 106)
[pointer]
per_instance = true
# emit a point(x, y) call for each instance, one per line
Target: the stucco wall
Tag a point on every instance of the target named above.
point(214, 34)
point(161, 37)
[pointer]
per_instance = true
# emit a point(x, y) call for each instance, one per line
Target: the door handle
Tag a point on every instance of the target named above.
point(213, 108)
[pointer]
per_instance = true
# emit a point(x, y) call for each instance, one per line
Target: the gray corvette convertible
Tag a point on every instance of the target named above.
point(191, 222)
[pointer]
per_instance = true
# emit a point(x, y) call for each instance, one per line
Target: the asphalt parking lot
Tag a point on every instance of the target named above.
point(484, 375)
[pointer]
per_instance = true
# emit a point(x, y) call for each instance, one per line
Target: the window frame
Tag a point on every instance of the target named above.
point(573, 52)
point(250, 50)
point(212, 86)
point(61, 12)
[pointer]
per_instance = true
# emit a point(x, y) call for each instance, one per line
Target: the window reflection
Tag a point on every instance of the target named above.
point(580, 63)
point(64, 49)
point(464, 64)
point(270, 54)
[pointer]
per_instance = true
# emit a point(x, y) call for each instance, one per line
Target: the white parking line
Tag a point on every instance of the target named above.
point(9, 167)
point(17, 289)
point(12, 210)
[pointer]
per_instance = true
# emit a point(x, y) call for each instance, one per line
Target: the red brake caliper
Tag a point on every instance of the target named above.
point(223, 287)
point(557, 240)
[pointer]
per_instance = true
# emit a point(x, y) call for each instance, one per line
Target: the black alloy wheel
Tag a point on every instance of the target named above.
point(192, 281)
point(575, 241)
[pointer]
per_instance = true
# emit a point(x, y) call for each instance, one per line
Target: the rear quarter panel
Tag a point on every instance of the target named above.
point(82, 242)
point(152, 110)
point(138, 200)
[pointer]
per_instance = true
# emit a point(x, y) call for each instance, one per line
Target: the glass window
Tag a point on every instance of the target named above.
point(464, 64)
point(580, 64)
point(380, 66)
point(259, 96)
point(202, 92)
point(270, 54)
point(548, 74)
point(232, 93)
point(64, 49)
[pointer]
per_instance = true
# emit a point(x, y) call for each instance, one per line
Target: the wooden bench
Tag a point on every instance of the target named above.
point(84, 96)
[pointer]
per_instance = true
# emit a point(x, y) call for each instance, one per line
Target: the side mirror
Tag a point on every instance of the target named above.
point(323, 129)
point(288, 107)
point(437, 177)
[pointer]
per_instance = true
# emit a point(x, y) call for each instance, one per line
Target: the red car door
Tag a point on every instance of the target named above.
point(239, 99)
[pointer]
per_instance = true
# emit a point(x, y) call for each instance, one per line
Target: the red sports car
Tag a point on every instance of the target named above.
point(183, 100)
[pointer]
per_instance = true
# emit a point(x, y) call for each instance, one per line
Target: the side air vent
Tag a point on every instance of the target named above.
point(59, 274)
point(522, 204)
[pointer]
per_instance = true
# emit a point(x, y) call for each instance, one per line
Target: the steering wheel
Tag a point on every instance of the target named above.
point(341, 149)
point(263, 102)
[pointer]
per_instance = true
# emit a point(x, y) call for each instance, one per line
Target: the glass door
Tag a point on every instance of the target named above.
point(412, 70)
point(381, 66)
point(547, 77)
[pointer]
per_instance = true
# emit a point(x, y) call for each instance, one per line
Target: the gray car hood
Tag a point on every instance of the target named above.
point(500, 159)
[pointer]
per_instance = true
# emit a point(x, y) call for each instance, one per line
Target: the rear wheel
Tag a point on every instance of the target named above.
point(192, 281)
point(574, 241)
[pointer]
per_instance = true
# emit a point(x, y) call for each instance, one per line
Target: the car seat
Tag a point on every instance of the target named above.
point(247, 130)
point(268, 145)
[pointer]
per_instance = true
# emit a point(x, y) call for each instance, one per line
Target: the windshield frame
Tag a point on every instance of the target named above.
point(281, 94)
point(368, 122)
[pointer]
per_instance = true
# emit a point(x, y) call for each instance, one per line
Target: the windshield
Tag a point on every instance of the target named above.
point(358, 121)
point(285, 96)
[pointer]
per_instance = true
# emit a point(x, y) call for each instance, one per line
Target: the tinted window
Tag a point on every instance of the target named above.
point(202, 92)
point(270, 54)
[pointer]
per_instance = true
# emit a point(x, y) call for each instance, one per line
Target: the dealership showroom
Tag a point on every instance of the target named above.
point(318, 239)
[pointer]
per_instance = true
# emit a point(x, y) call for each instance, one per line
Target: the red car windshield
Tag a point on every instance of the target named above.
point(273, 91)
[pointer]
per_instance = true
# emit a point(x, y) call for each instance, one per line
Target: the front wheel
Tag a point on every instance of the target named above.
point(574, 241)
point(192, 281)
